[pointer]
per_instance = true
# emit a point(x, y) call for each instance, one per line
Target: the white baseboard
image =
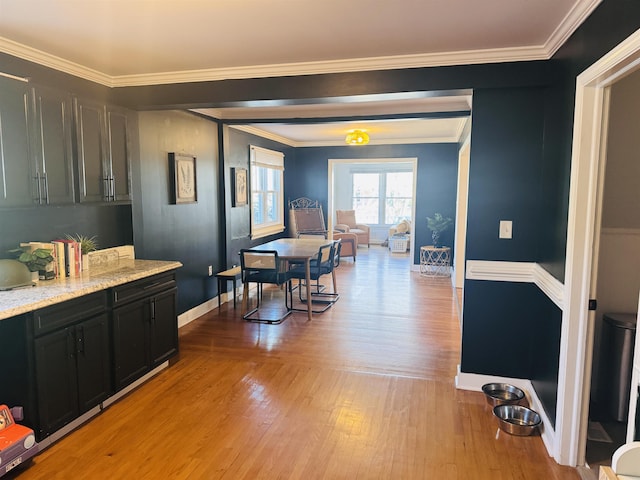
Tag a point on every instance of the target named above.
point(474, 382)
point(206, 307)
point(199, 310)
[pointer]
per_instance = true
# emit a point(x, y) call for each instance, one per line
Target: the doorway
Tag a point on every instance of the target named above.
point(577, 341)
point(616, 273)
point(339, 188)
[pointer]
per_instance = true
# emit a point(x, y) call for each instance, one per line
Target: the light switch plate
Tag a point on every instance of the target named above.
point(506, 229)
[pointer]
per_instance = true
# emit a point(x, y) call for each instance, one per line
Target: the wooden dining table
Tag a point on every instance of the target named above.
point(299, 250)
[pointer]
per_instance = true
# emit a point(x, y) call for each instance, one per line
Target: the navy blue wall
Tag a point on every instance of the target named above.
point(306, 175)
point(110, 224)
point(504, 173)
point(236, 155)
point(188, 233)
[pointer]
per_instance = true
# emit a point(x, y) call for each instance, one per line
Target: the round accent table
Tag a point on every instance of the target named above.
point(435, 261)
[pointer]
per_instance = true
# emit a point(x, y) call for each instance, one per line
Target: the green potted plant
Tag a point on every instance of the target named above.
point(38, 261)
point(87, 244)
point(438, 224)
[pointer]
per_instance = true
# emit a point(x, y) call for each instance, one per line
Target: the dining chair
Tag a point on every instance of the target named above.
point(260, 267)
point(324, 263)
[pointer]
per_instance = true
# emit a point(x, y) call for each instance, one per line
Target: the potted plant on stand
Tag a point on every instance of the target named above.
point(438, 224)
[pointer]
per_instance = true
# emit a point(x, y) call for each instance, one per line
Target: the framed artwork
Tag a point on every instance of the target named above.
point(240, 194)
point(182, 170)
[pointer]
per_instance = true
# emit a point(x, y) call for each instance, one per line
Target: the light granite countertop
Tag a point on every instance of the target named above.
point(49, 292)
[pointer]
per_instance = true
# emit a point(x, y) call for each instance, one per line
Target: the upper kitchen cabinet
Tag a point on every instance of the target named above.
point(104, 152)
point(52, 146)
point(16, 176)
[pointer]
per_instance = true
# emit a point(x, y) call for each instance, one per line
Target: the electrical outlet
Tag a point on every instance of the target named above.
point(210, 270)
point(506, 229)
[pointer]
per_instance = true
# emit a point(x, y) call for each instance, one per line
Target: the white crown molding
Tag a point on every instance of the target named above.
point(268, 135)
point(338, 143)
point(570, 23)
point(51, 61)
point(468, 57)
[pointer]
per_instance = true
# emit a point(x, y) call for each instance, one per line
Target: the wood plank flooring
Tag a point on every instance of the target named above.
point(364, 391)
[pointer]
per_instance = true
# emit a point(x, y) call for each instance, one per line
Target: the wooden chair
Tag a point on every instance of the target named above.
point(263, 266)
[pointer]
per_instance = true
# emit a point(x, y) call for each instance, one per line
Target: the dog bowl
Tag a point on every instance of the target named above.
point(517, 420)
point(502, 393)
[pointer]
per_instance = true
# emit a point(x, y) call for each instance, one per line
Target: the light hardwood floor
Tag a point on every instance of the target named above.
point(364, 391)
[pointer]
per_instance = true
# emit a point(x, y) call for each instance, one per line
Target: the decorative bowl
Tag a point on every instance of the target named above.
point(517, 419)
point(502, 393)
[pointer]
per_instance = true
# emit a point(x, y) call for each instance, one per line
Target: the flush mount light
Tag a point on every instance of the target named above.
point(357, 137)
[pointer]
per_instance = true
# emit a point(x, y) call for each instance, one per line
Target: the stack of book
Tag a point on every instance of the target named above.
point(67, 257)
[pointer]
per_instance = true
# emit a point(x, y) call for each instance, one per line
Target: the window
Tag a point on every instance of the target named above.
point(267, 197)
point(382, 198)
point(398, 200)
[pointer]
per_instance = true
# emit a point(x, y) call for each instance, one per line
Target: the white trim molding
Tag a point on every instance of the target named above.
point(500, 271)
point(574, 371)
point(525, 272)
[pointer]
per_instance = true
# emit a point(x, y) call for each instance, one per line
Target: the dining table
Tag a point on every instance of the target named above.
point(298, 250)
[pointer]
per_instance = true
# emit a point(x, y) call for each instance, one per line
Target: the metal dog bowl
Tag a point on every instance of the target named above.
point(517, 420)
point(501, 393)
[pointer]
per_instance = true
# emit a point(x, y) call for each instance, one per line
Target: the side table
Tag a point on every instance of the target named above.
point(435, 261)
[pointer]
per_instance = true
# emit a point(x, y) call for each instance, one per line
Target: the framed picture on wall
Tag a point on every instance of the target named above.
point(182, 170)
point(240, 195)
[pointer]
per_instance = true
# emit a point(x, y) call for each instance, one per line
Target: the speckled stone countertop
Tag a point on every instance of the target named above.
point(49, 292)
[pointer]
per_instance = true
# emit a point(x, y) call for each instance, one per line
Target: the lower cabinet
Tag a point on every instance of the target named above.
point(73, 372)
point(63, 360)
point(145, 332)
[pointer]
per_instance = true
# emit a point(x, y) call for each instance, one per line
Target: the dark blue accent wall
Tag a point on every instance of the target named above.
point(187, 233)
point(110, 224)
point(513, 330)
point(236, 154)
point(306, 175)
point(505, 172)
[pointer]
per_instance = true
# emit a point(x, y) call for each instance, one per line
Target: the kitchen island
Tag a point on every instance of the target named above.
point(70, 347)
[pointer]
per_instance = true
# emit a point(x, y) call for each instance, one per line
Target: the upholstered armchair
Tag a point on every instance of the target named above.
point(346, 222)
point(349, 242)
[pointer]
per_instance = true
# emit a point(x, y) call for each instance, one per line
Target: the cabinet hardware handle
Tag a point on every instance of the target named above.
point(113, 188)
point(80, 339)
point(45, 181)
point(107, 193)
point(38, 187)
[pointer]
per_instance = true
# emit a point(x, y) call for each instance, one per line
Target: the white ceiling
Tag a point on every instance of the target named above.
point(143, 42)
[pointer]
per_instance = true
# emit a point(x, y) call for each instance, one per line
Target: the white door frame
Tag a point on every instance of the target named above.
point(413, 161)
point(576, 337)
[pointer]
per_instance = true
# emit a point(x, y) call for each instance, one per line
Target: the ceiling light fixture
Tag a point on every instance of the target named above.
point(357, 137)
